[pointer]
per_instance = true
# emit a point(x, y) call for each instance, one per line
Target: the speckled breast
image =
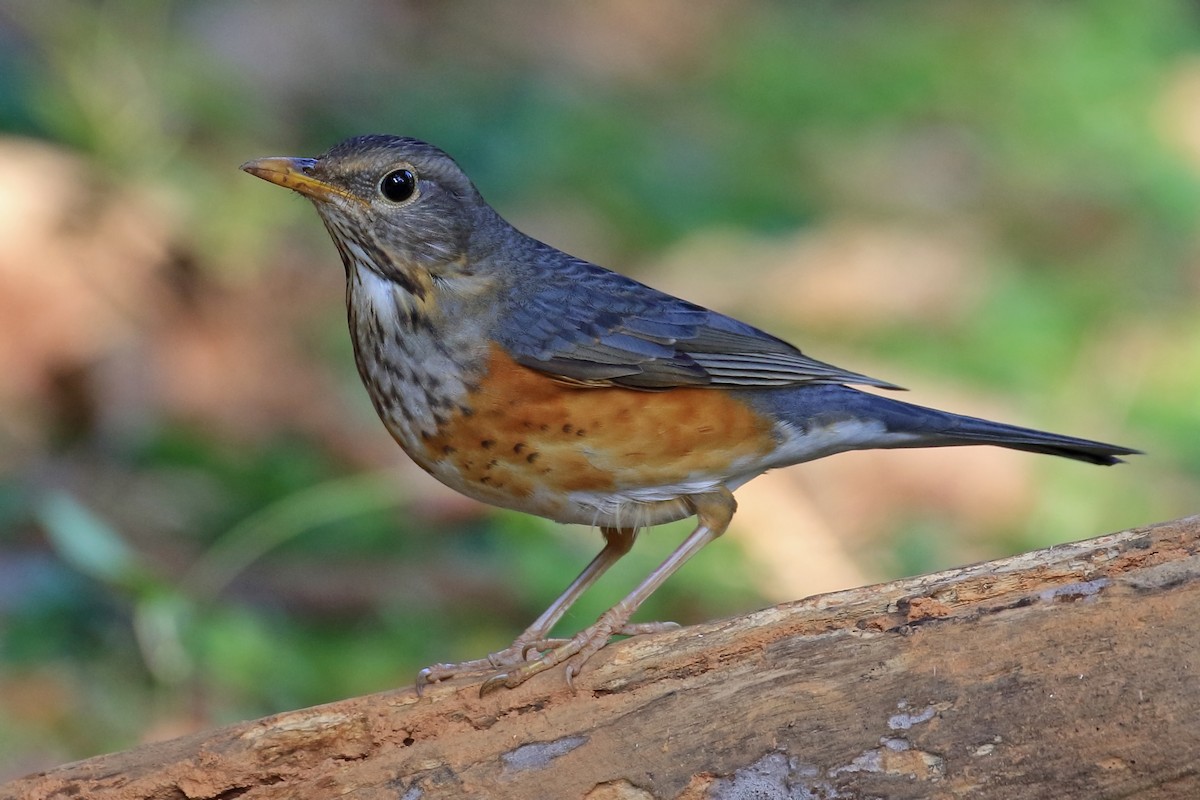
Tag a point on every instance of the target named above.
point(520, 439)
point(515, 437)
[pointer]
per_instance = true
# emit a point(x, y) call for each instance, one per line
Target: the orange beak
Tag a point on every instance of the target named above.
point(296, 174)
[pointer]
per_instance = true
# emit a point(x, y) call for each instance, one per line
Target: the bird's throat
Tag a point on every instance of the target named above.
point(416, 368)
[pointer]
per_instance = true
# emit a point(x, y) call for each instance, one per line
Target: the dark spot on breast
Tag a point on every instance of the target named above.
point(568, 428)
point(413, 319)
point(466, 411)
point(447, 449)
point(518, 447)
point(581, 432)
point(486, 479)
point(487, 444)
point(491, 464)
point(543, 428)
point(532, 457)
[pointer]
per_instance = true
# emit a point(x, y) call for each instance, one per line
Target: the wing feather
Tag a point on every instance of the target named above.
point(597, 327)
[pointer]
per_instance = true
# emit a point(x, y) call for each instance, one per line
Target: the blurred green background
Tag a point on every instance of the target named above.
point(202, 521)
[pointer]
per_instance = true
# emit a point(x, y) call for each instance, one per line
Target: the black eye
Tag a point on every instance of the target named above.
point(398, 185)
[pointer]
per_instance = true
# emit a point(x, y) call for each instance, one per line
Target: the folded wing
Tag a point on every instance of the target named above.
point(591, 326)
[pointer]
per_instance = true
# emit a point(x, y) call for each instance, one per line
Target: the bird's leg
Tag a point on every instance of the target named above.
point(617, 542)
point(713, 511)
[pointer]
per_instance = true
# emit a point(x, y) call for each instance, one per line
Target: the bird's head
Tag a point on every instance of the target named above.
point(396, 206)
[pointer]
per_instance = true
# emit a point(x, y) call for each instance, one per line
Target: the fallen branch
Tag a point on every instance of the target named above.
point(1070, 672)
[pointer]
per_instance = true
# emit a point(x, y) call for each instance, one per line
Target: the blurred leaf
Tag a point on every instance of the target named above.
point(287, 518)
point(87, 542)
point(160, 620)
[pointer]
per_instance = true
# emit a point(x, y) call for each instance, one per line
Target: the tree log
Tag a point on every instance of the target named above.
point(1070, 672)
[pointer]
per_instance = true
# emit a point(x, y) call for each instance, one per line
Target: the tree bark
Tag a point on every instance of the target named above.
point(1070, 672)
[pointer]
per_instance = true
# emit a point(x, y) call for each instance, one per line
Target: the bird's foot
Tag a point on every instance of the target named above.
point(514, 655)
point(573, 652)
point(527, 656)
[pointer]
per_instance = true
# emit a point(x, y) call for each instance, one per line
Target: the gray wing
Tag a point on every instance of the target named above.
point(589, 325)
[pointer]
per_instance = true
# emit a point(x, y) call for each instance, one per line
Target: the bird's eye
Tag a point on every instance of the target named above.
point(398, 185)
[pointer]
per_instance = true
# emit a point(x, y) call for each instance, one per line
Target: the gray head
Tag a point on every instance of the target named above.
point(392, 204)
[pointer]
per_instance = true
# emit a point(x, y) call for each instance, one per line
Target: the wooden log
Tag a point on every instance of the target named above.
point(1070, 672)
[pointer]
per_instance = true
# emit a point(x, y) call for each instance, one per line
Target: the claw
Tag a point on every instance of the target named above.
point(569, 672)
point(493, 684)
point(422, 681)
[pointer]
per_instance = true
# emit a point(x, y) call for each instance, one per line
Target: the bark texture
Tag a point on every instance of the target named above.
point(1070, 672)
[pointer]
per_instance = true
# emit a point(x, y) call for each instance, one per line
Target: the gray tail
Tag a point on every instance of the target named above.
point(946, 429)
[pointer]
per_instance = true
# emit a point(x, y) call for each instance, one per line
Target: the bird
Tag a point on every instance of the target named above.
point(529, 379)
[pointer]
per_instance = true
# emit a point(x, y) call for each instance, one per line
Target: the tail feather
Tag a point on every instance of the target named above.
point(971, 430)
point(946, 429)
point(835, 418)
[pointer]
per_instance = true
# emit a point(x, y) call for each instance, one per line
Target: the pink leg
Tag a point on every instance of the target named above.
point(617, 542)
point(713, 511)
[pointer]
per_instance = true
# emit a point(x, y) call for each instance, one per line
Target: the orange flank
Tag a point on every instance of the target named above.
point(522, 433)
